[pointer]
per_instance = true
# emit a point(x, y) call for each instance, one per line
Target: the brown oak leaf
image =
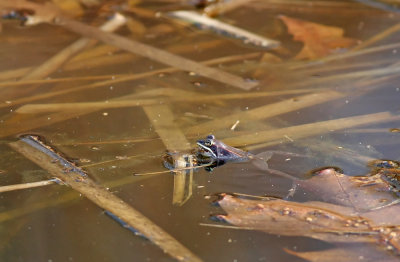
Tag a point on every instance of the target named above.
point(319, 40)
point(351, 233)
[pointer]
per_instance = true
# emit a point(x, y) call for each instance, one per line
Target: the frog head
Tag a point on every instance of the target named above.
point(208, 147)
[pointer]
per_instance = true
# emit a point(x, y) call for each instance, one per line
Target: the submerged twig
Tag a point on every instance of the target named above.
point(225, 226)
point(192, 97)
point(123, 78)
point(218, 26)
point(173, 170)
point(224, 6)
point(332, 68)
point(14, 124)
point(57, 60)
point(266, 111)
point(156, 54)
point(381, 35)
point(56, 80)
point(66, 197)
point(99, 56)
point(162, 118)
point(275, 136)
point(106, 61)
point(41, 154)
point(144, 50)
point(341, 56)
point(380, 5)
point(28, 185)
point(390, 70)
point(14, 73)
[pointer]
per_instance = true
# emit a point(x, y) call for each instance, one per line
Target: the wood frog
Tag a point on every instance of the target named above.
point(220, 153)
point(217, 153)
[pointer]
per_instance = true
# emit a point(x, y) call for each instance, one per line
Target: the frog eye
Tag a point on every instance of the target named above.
point(208, 142)
point(210, 137)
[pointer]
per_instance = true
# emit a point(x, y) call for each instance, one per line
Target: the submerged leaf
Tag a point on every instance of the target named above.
point(326, 222)
point(363, 193)
point(343, 253)
point(319, 40)
point(296, 219)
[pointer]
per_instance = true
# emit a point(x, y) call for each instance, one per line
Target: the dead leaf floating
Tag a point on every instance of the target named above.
point(287, 218)
point(318, 220)
point(319, 40)
point(362, 193)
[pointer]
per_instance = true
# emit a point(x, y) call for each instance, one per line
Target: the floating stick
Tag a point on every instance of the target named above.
point(46, 157)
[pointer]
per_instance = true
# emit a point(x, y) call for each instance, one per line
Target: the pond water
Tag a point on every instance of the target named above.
point(338, 109)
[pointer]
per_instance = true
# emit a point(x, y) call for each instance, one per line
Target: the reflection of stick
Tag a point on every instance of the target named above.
point(183, 180)
point(175, 170)
point(43, 155)
point(162, 118)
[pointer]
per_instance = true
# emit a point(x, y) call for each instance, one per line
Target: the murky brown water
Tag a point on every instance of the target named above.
point(53, 223)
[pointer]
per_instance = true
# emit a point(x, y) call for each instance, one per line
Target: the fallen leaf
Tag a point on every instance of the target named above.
point(326, 222)
point(362, 193)
point(343, 253)
point(319, 40)
point(287, 218)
